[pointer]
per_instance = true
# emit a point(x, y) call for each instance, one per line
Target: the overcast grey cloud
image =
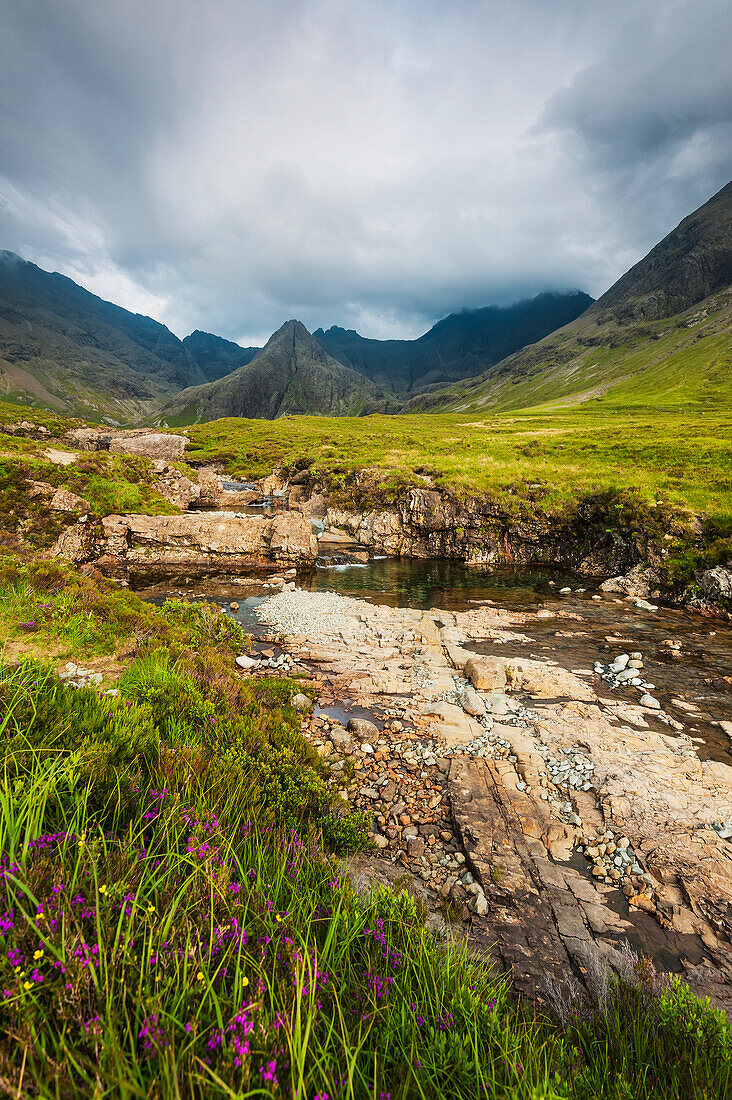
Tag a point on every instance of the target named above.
point(373, 164)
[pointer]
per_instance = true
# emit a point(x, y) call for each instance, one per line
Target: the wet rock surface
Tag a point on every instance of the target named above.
point(555, 817)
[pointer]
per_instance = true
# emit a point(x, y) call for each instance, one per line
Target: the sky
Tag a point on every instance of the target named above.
point(374, 164)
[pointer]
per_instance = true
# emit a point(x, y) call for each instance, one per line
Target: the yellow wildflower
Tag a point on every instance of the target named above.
point(37, 955)
point(245, 980)
point(199, 976)
point(27, 986)
point(102, 889)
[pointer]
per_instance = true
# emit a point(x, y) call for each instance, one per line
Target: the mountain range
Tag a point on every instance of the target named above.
point(661, 335)
point(291, 374)
point(67, 349)
point(460, 346)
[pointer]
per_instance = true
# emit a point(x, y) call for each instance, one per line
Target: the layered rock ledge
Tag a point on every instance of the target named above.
point(208, 538)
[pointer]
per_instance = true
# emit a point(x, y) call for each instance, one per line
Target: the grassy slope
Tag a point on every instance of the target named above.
point(109, 483)
point(682, 363)
point(173, 925)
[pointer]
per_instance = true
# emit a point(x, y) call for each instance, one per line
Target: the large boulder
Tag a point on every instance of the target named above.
point(342, 741)
point(65, 501)
point(363, 730)
point(291, 538)
point(641, 580)
point(88, 439)
point(316, 508)
point(471, 702)
point(208, 538)
point(77, 543)
point(173, 485)
point(716, 584)
point(486, 673)
point(149, 444)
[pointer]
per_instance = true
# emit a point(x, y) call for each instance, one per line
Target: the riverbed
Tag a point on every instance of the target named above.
point(391, 642)
point(591, 624)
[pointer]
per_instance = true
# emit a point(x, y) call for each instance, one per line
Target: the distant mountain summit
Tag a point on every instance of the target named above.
point(291, 374)
point(688, 265)
point(460, 346)
point(67, 349)
point(660, 336)
point(215, 356)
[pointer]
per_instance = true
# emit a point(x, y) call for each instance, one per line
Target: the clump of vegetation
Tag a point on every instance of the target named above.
point(85, 613)
point(644, 1021)
point(107, 483)
point(713, 548)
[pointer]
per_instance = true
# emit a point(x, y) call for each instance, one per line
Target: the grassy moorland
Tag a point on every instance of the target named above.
point(175, 920)
point(660, 479)
point(550, 459)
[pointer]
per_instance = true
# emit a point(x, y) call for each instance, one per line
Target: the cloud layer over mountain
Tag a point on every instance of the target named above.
point(229, 165)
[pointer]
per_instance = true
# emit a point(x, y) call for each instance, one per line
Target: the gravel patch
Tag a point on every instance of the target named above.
point(318, 615)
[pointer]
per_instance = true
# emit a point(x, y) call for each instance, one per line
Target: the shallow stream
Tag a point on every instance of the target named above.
point(585, 629)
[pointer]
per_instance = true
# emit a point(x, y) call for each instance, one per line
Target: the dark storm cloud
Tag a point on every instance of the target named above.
point(230, 165)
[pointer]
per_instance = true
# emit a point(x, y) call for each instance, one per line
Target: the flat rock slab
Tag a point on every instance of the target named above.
point(202, 537)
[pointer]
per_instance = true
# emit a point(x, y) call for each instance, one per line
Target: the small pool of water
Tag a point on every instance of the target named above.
point(436, 582)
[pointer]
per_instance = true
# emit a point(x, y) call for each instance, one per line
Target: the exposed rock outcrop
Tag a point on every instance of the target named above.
point(149, 444)
point(427, 524)
point(520, 822)
point(207, 538)
point(137, 441)
point(716, 584)
point(641, 581)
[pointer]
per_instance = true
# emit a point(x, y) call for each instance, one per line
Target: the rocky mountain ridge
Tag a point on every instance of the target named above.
point(459, 346)
point(291, 374)
point(68, 349)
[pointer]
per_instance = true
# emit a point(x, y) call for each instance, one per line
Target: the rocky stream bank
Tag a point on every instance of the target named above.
point(292, 519)
point(542, 809)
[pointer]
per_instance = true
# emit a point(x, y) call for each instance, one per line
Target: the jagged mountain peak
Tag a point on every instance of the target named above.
point(291, 330)
point(291, 374)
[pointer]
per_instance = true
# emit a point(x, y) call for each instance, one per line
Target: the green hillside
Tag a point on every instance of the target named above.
point(681, 362)
point(661, 337)
point(533, 461)
point(65, 349)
